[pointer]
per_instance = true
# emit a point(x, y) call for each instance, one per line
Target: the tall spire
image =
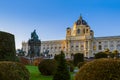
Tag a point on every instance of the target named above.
point(80, 17)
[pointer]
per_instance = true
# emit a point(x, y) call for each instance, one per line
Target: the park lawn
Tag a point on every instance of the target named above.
point(36, 75)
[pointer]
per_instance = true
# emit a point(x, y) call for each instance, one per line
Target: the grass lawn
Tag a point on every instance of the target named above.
point(35, 74)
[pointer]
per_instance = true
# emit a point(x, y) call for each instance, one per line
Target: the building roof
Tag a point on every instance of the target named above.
point(80, 21)
point(107, 37)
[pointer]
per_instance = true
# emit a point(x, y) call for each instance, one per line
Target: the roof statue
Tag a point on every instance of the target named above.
point(34, 36)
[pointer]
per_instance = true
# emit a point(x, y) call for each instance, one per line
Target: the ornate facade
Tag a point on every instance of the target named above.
point(79, 39)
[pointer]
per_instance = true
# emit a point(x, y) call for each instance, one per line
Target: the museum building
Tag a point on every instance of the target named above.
point(79, 39)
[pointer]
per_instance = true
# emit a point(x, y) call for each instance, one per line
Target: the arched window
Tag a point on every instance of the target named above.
point(87, 30)
point(78, 31)
point(83, 30)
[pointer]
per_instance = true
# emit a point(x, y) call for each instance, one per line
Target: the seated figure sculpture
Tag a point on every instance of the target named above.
point(34, 36)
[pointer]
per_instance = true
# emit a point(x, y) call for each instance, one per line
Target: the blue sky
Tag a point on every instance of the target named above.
point(50, 18)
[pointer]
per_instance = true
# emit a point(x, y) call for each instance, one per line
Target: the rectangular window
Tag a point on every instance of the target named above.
point(100, 47)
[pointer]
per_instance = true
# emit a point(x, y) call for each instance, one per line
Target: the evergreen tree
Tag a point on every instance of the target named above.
point(7, 47)
point(57, 57)
point(78, 57)
point(62, 72)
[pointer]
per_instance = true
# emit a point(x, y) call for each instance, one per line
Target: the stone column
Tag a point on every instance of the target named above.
point(79, 45)
point(108, 44)
point(66, 46)
point(115, 45)
point(88, 48)
point(85, 48)
point(97, 46)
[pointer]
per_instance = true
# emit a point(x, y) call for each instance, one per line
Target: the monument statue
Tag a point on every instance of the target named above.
point(34, 45)
point(34, 36)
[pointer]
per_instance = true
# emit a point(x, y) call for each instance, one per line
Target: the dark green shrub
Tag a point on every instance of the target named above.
point(78, 57)
point(112, 55)
point(70, 61)
point(17, 59)
point(116, 53)
point(7, 47)
point(57, 57)
point(80, 64)
point(100, 55)
point(47, 67)
point(70, 65)
point(100, 69)
point(62, 72)
point(13, 71)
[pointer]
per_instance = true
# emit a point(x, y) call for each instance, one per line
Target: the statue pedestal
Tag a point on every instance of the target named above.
point(34, 48)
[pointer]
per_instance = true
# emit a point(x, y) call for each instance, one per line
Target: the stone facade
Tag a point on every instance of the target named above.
point(79, 39)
